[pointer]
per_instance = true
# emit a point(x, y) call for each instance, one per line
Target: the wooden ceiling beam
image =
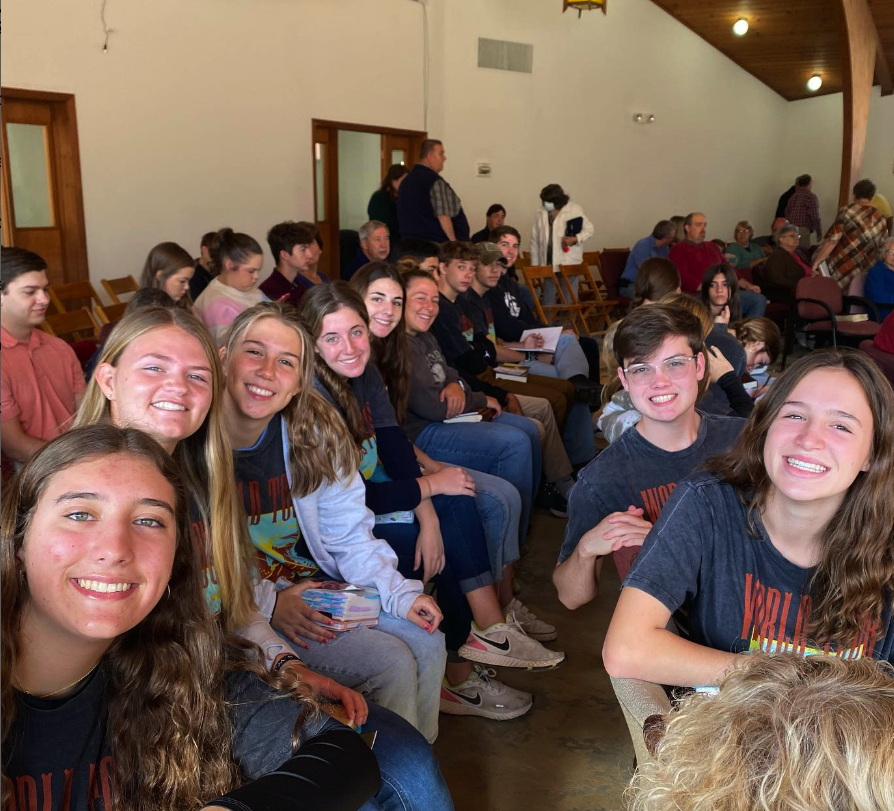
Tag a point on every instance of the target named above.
point(860, 47)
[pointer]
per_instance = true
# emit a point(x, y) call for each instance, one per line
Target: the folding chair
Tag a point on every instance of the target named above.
point(115, 312)
point(120, 287)
point(66, 297)
point(597, 317)
point(566, 313)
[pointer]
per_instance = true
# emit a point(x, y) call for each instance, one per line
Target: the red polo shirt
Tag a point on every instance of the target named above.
point(40, 379)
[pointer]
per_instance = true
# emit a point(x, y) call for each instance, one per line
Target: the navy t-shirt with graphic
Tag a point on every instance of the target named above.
point(738, 591)
point(282, 552)
point(633, 471)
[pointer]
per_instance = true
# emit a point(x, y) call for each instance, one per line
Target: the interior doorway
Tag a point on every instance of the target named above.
point(42, 199)
point(349, 163)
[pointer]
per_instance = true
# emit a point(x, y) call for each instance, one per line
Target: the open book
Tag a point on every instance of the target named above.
point(550, 337)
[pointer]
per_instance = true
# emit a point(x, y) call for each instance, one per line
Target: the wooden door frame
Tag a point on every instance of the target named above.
point(67, 182)
point(331, 170)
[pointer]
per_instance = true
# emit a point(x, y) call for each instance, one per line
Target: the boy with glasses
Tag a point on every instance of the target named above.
point(619, 495)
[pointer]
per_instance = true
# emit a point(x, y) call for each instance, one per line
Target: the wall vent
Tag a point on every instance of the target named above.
point(499, 54)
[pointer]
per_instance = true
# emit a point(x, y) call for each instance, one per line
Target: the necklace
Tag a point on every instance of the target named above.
point(61, 689)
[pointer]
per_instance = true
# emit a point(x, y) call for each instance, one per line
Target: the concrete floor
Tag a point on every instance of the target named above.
point(571, 752)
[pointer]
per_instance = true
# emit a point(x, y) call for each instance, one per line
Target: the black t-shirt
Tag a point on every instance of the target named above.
point(739, 592)
point(478, 325)
point(633, 471)
point(282, 552)
point(511, 313)
point(59, 758)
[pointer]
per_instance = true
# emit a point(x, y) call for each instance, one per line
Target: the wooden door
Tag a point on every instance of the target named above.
point(43, 208)
point(325, 147)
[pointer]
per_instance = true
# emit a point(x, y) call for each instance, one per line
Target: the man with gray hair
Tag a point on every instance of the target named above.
point(656, 244)
point(375, 245)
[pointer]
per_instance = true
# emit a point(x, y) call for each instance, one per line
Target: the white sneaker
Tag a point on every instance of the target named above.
point(530, 624)
point(505, 644)
point(481, 694)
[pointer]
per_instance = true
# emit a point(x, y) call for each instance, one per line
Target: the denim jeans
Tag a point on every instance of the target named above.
point(499, 508)
point(754, 305)
point(411, 779)
point(497, 448)
point(396, 664)
point(568, 361)
point(549, 289)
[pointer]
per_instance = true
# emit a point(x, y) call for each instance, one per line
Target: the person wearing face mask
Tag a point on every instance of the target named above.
point(559, 232)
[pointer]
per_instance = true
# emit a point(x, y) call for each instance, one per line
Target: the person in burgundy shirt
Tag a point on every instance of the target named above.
point(695, 254)
point(296, 248)
point(42, 381)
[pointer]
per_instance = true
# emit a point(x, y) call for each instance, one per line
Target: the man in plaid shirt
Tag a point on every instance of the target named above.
point(802, 210)
point(855, 240)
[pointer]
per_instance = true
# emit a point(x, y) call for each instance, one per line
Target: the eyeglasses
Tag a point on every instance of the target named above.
point(643, 374)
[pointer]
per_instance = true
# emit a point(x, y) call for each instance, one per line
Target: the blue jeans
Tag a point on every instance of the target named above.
point(754, 305)
point(499, 508)
point(396, 664)
point(496, 447)
point(411, 779)
point(568, 361)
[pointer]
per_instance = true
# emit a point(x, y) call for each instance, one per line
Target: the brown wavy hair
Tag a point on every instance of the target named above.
point(854, 580)
point(167, 719)
point(783, 734)
point(318, 302)
point(163, 261)
point(205, 459)
point(320, 445)
point(391, 355)
point(168, 722)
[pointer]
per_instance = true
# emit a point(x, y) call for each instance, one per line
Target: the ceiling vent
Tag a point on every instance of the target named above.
point(498, 54)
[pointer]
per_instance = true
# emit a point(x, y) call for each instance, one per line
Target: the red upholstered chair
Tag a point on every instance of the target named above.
point(612, 262)
point(819, 303)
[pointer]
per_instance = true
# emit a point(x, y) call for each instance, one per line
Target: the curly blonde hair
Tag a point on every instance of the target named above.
point(783, 734)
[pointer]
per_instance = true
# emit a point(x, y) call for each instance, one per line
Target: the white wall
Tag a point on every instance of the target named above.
point(713, 147)
point(199, 114)
point(812, 145)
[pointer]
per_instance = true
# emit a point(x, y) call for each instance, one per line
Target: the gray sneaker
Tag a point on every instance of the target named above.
point(481, 694)
point(505, 644)
point(530, 624)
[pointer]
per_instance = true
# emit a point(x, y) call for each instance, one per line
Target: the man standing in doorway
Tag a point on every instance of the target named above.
point(427, 206)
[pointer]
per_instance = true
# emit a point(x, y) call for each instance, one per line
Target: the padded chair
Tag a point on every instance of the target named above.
point(597, 316)
point(67, 297)
point(119, 287)
point(612, 262)
point(819, 302)
point(563, 311)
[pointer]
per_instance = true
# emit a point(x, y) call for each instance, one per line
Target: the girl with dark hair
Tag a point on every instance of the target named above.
point(720, 294)
point(337, 319)
point(785, 544)
point(383, 203)
point(169, 268)
point(113, 668)
point(205, 270)
point(238, 259)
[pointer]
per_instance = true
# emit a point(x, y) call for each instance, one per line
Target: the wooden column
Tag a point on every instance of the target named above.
point(861, 58)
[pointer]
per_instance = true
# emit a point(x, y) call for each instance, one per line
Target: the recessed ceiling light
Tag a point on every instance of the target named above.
point(740, 27)
point(814, 83)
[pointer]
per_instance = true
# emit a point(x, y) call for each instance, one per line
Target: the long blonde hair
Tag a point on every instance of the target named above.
point(783, 733)
point(205, 458)
point(321, 447)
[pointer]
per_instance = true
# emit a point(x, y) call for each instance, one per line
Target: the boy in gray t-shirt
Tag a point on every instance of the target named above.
point(619, 495)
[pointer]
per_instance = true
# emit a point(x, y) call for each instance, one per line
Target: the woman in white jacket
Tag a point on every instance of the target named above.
point(549, 243)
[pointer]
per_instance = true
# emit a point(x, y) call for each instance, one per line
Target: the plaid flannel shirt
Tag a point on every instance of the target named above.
point(444, 200)
point(802, 210)
point(858, 233)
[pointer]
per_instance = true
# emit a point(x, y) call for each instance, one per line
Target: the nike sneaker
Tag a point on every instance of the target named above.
point(481, 694)
point(530, 624)
point(505, 644)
